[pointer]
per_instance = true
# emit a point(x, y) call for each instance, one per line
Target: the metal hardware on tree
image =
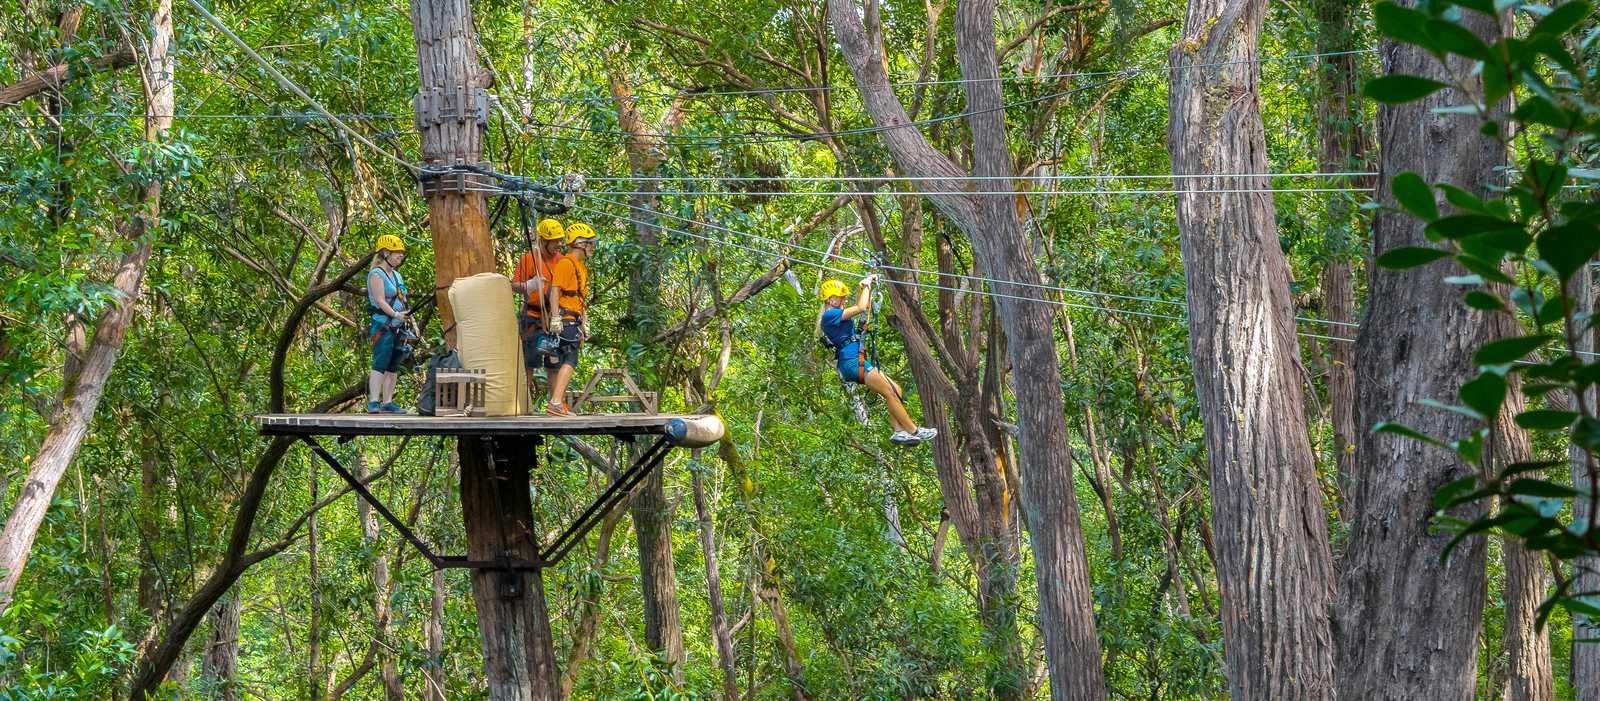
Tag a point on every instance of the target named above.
point(438, 105)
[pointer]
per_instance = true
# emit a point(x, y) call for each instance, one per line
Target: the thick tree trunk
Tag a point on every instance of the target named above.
point(719, 614)
point(1066, 611)
point(1342, 148)
point(1585, 674)
point(513, 622)
point(1408, 626)
point(221, 660)
point(70, 424)
point(1274, 566)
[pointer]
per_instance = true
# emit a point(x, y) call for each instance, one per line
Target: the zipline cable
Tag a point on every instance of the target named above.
point(987, 193)
point(284, 82)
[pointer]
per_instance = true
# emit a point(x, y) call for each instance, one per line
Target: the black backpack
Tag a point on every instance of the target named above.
point(443, 359)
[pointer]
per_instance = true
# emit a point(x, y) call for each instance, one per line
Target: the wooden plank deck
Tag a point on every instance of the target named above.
point(700, 429)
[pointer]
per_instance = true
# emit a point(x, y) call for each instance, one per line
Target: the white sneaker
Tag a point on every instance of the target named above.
point(926, 434)
point(903, 438)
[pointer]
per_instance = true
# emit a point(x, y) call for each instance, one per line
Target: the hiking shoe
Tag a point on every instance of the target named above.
point(926, 434)
point(374, 408)
point(558, 409)
point(392, 408)
point(903, 438)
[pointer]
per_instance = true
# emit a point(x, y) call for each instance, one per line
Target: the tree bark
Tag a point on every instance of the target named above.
point(388, 672)
point(70, 424)
point(513, 622)
point(719, 615)
point(1585, 673)
point(434, 675)
point(1342, 148)
point(1066, 611)
point(1274, 566)
point(652, 511)
point(221, 660)
point(54, 77)
point(1407, 626)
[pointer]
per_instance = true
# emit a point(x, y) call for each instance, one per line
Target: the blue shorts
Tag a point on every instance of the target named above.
point(855, 368)
point(385, 347)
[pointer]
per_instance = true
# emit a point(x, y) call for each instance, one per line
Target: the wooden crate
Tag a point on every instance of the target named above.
point(460, 392)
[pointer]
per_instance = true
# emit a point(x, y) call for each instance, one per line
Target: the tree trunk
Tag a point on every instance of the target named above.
point(1585, 674)
point(314, 589)
point(434, 675)
point(719, 615)
point(513, 622)
point(381, 617)
point(1265, 498)
point(70, 424)
point(652, 510)
point(1066, 610)
point(1342, 148)
point(221, 660)
point(1408, 626)
point(792, 668)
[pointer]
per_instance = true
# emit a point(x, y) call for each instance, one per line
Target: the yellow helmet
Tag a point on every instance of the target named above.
point(390, 242)
point(835, 288)
point(550, 230)
point(579, 230)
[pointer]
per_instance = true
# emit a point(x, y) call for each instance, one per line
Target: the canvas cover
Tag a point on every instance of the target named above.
point(486, 337)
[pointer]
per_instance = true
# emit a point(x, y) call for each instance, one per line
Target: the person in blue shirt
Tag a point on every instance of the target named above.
point(837, 327)
point(386, 303)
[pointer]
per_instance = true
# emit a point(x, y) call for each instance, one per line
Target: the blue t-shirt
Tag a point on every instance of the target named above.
point(394, 292)
point(841, 333)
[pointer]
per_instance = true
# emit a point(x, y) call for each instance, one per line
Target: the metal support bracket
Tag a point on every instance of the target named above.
point(646, 463)
point(438, 561)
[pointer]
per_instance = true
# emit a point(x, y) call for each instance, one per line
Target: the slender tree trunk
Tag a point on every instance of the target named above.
point(792, 668)
point(719, 615)
point(314, 587)
point(589, 610)
point(1265, 498)
point(1585, 674)
point(221, 660)
point(70, 424)
point(1407, 625)
point(434, 675)
point(1342, 148)
point(1066, 611)
point(652, 511)
point(381, 617)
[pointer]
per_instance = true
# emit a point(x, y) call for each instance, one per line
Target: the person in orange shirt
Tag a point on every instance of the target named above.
point(570, 283)
point(530, 280)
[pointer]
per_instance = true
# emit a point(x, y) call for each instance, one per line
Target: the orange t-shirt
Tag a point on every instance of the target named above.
point(572, 276)
point(531, 266)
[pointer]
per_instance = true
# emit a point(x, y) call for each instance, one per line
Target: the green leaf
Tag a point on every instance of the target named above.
point(1443, 496)
point(1488, 271)
point(1485, 393)
point(1586, 433)
point(1463, 199)
point(1569, 247)
point(1415, 196)
point(1508, 350)
point(1531, 487)
point(1561, 20)
point(1496, 85)
point(1410, 257)
point(1460, 226)
point(1483, 301)
point(1408, 432)
point(1518, 468)
point(1546, 419)
point(1400, 89)
point(1401, 23)
point(1456, 39)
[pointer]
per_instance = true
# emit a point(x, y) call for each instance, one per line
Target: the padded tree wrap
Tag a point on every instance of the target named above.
point(486, 337)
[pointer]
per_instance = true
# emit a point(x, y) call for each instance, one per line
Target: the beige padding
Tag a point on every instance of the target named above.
point(486, 337)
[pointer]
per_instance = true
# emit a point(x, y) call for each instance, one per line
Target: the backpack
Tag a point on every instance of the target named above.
point(443, 359)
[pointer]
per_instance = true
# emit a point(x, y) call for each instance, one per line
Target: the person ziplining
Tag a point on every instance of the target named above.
point(836, 326)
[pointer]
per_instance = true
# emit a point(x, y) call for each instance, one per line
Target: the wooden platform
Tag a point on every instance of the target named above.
point(684, 430)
